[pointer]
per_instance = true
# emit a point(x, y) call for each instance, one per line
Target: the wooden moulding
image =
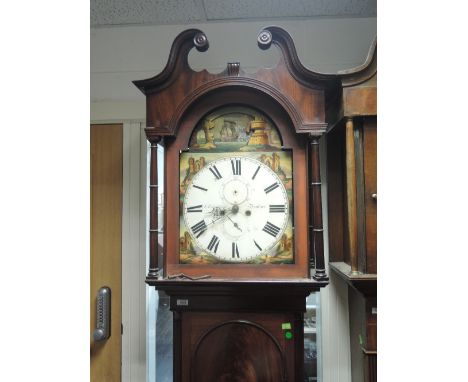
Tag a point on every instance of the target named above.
point(299, 91)
point(239, 295)
point(360, 86)
point(364, 73)
point(357, 95)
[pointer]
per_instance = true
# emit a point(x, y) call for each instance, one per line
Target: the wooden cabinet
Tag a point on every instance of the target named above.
point(352, 196)
point(352, 209)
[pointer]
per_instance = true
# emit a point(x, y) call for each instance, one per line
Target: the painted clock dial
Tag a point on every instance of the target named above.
point(236, 191)
point(236, 209)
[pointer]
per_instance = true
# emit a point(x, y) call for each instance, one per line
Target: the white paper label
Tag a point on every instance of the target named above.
point(374, 310)
point(182, 302)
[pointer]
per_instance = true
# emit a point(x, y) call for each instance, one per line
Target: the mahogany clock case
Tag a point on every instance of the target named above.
point(226, 314)
point(237, 96)
point(291, 96)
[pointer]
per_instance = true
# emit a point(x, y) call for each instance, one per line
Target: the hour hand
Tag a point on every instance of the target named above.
point(235, 224)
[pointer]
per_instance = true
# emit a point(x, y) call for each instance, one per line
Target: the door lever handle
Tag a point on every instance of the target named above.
point(103, 307)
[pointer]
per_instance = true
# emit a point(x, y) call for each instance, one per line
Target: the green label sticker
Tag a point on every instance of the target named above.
point(288, 335)
point(286, 325)
point(360, 340)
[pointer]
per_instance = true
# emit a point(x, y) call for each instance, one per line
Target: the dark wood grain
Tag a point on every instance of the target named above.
point(370, 350)
point(177, 349)
point(351, 195)
point(337, 239)
point(370, 367)
point(315, 187)
point(370, 191)
point(360, 195)
point(361, 101)
point(238, 351)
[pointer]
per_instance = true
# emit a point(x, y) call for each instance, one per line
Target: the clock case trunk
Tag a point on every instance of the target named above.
point(246, 305)
point(238, 328)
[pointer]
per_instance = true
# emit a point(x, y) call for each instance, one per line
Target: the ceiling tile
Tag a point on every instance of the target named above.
point(244, 9)
point(118, 12)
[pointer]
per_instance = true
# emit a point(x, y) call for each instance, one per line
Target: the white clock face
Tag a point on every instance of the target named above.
point(236, 209)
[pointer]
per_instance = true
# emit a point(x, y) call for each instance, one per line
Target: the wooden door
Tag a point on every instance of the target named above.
point(106, 245)
point(238, 351)
point(238, 346)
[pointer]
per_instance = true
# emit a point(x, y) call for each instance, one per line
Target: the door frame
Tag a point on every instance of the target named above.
point(134, 253)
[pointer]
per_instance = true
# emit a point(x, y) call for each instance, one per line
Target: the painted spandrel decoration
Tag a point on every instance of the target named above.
point(236, 192)
point(235, 129)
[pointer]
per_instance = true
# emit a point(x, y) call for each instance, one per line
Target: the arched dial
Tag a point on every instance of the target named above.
point(236, 209)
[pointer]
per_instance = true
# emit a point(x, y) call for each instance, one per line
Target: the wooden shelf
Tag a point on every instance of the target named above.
point(364, 283)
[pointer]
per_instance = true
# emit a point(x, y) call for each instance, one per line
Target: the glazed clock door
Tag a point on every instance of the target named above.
point(241, 174)
point(236, 192)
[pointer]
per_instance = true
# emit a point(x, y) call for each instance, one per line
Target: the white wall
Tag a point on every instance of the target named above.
point(122, 54)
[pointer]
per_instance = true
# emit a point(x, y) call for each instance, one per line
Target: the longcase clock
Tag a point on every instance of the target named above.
point(243, 234)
